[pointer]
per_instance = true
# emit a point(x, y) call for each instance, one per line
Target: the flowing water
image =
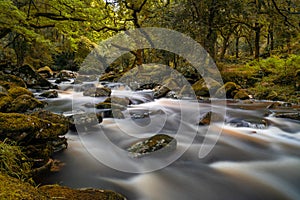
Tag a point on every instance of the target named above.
point(254, 162)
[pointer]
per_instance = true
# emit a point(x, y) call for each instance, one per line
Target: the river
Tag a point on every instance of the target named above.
point(254, 162)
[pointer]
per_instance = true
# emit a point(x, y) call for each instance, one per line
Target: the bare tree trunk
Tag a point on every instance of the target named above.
point(257, 29)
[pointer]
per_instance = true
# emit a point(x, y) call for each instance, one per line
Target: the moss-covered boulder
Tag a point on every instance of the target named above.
point(97, 92)
point(25, 128)
point(14, 92)
point(203, 88)
point(31, 77)
point(7, 81)
point(5, 102)
point(241, 94)
point(60, 192)
point(25, 103)
point(230, 88)
point(160, 142)
point(13, 188)
point(45, 72)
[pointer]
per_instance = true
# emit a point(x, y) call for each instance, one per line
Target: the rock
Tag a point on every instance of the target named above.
point(201, 88)
point(45, 72)
point(274, 105)
point(67, 74)
point(50, 94)
point(13, 188)
point(159, 142)
point(62, 192)
point(207, 117)
point(25, 103)
point(31, 77)
point(242, 95)
point(250, 123)
point(117, 100)
point(107, 105)
point(86, 78)
point(289, 115)
point(7, 81)
point(25, 128)
point(5, 102)
point(3, 90)
point(110, 76)
point(84, 121)
point(14, 92)
point(160, 91)
point(230, 88)
point(97, 92)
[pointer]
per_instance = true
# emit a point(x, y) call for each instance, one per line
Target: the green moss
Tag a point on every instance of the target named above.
point(5, 102)
point(14, 189)
point(13, 161)
point(24, 128)
point(18, 91)
point(24, 103)
point(8, 80)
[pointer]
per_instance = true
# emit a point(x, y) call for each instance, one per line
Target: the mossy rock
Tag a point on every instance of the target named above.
point(241, 94)
point(25, 103)
point(13, 188)
point(18, 91)
point(3, 90)
point(25, 128)
point(31, 77)
point(50, 94)
point(8, 81)
point(157, 143)
point(45, 72)
point(205, 87)
point(52, 117)
point(97, 92)
point(60, 192)
point(107, 105)
point(5, 102)
point(160, 91)
point(230, 88)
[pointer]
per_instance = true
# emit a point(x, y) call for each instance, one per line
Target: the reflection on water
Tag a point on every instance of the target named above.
point(246, 163)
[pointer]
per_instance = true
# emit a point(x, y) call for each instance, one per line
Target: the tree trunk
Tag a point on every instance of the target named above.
point(257, 29)
point(237, 47)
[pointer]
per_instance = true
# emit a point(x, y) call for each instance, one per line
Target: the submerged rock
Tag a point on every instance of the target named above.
point(251, 123)
point(207, 117)
point(50, 94)
point(161, 142)
point(289, 115)
point(97, 92)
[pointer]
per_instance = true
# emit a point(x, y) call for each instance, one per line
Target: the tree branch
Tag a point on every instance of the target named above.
point(58, 17)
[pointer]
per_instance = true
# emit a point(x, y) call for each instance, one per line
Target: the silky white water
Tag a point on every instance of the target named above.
point(246, 163)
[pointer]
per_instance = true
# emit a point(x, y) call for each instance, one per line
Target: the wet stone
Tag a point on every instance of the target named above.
point(251, 123)
point(159, 142)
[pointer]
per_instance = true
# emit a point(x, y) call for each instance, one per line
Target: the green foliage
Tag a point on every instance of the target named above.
point(13, 161)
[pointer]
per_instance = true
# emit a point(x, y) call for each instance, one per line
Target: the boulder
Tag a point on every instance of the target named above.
point(203, 88)
point(31, 77)
point(207, 117)
point(7, 81)
point(108, 105)
point(230, 88)
point(5, 102)
point(160, 91)
point(14, 92)
point(50, 94)
point(84, 121)
point(67, 74)
point(97, 92)
point(159, 142)
point(241, 94)
point(117, 100)
point(250, 123)
point(46, 72)
point(25, 103)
